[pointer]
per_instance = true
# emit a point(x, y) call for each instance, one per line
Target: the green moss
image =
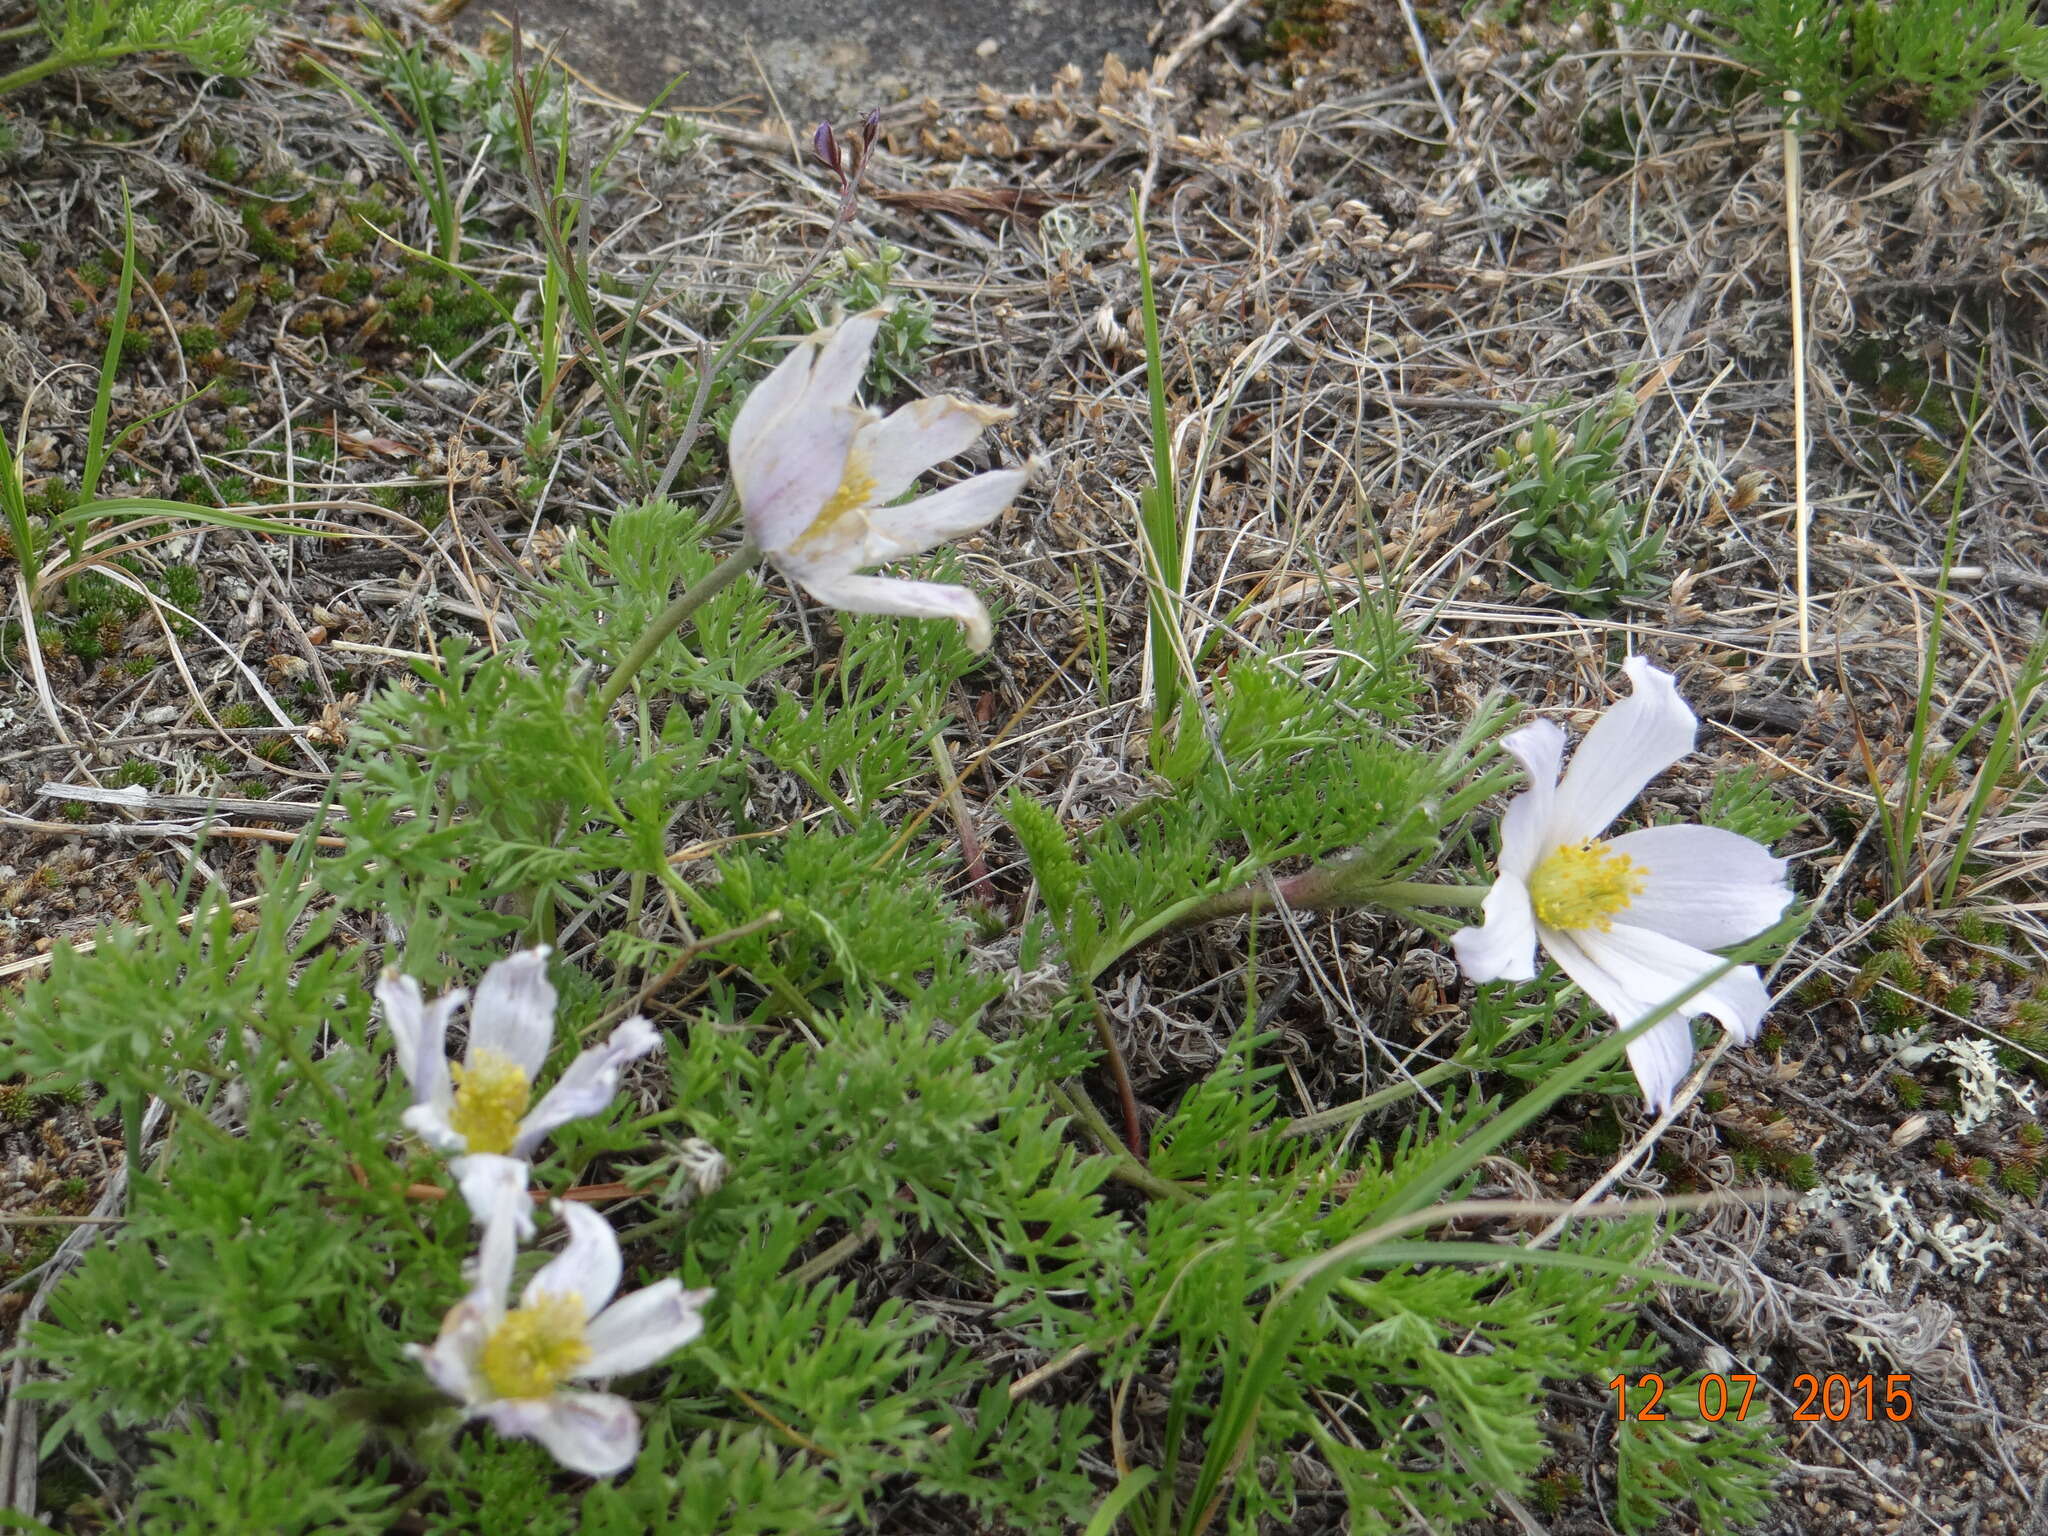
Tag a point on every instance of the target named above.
point(346, 238)
point(265, 242)
point(137, 770)
point(1601, 1136)
point(427, 307)
point(179, 584)
point(1799, 1171)
point(1817, 989)
point(1907, 1091)
point(198, 340)
point(2020, 1178)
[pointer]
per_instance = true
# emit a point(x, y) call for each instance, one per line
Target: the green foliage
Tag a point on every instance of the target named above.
point(1743, 802)
point(1716, 1477)
point(264, 1465)
point(1294, 759)
point(212, 35)
point(1846, 57)
point(1571, 529)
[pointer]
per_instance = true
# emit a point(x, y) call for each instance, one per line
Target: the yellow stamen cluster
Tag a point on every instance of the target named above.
point(1582, 885)
point(491, 1095)
point(856, 491)
point(536, 1348)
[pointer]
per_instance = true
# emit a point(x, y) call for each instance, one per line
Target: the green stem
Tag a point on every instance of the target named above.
point(673, 617)
point(1358, 1109)
point(1313, 890)
point(49, 64)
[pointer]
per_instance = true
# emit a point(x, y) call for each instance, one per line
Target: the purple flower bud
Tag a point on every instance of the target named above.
point(826, 147)
point(870, 127)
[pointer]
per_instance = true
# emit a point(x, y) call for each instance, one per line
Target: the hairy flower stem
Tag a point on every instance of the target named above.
point(1324, 887)
point(673, 617)
point(1134, 1137)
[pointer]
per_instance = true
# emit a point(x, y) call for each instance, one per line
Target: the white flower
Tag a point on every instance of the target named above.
point(815, 474)
point(1630, 919)
point(479, 1107)
point(508, 1364)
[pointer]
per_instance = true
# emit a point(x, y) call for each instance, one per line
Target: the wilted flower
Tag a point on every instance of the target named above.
point(1629, 919)
point(482, 1106)
point(509, 1364)
point(815, 474)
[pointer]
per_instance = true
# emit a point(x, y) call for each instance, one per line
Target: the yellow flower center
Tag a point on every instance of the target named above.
point(1582, 885)
point(491, 1095)
point(536, 1348)
point(856, 491)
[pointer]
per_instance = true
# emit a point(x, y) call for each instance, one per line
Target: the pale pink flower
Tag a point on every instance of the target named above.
point(816, 473)
point(1630, 919)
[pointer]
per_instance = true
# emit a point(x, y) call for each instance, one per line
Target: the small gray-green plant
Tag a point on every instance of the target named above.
point(212, 35)
point(1571, 530)
point(865, 282)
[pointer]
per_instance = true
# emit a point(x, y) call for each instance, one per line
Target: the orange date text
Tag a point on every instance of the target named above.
point(1820, 1399)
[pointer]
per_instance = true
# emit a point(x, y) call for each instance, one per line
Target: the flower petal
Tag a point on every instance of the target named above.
point(822, 370)
point(785, 483)
point(1631, 972)
point(894, 533)
point(490, 1182)
point(589, 1432)
point(451, 1360)
point(1539, 748)
point(514, 1014)
point(894, 451)
point(1504, 948)
point(1660, 1057)
point(491, 1275)
point(1704, 886)
point(429, 1122)
point(589, 1083)
point(912, 599)
point(639, 1330)
point(1629, 745)
point(419, 1035)
point(588, 1268)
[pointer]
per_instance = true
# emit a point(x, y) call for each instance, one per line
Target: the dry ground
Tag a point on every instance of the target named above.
point(1368, 268)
